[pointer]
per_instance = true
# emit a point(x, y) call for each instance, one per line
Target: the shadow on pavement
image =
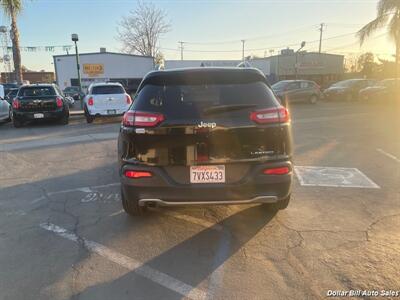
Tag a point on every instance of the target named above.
point(191, 261)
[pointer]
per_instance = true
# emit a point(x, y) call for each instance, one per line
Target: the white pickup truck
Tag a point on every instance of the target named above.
point(105, 99)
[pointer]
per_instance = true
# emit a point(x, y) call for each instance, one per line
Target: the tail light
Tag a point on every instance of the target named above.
point(59, 102)
point(142, 119)
point(128, 99)
point(270, 115)
point(277, 171)
point(90, 101)
point(137, 174)
point(16, 104)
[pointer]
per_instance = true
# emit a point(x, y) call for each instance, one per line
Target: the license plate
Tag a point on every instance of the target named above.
point(111, 112)
point(207, 174)
point(38, 116)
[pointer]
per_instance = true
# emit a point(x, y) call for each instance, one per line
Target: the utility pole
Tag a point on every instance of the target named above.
point(243, 41)
point(296, 65)
point(181, 47)
point(75, 38)
point(321, 29)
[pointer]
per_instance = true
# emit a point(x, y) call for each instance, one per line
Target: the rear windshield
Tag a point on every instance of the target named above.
point(191, 100)
point(107, 89)
point(36, 91)
point(280, 85)
point(71, 89)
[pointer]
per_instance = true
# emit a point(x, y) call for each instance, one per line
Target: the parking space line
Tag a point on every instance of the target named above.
point(141, 269)
point(388, 155)
point(333, 177)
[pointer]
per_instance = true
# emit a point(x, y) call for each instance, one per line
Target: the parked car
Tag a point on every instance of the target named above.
point(38, 102)
point(73, 91)
point(12, 93)
point(5, 107)
point(70, 101)
point(9, 86)
point(347, 90)
point(106, 99)
point(289, 91)
point(382, 91)
point(205, 136)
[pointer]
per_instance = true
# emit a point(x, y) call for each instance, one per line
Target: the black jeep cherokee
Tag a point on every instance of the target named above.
point(38, 102)
point(205, 136)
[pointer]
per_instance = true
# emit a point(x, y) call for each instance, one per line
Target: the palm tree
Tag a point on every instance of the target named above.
point(11, 9)
point(388, 13)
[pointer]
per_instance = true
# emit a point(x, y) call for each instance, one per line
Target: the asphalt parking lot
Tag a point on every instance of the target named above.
point(63, 234)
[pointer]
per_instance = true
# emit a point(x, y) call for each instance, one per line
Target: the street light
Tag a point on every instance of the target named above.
point(303, 43)
point(75, 38)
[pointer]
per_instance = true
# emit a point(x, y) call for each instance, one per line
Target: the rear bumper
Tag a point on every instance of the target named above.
point(160, 202)
point(30, 116)
point(104, 112)
point(255, 187)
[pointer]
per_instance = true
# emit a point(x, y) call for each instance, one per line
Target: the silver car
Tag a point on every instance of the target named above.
point(5, 107)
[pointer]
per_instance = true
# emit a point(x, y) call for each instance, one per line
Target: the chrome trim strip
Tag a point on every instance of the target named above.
point(259, 199)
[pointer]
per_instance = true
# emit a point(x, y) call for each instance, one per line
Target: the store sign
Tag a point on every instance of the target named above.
point(93, 69)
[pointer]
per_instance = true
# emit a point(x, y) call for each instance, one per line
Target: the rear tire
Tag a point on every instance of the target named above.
point(64, 120)
point(89, 119)
point(9, 116)
point(131, 206)
point(17, 123)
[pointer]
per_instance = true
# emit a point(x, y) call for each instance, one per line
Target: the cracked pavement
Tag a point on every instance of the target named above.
point(329, 238)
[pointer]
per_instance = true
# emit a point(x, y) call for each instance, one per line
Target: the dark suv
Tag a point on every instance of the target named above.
point(205, 136)
point(38, 102)
point(289, 91)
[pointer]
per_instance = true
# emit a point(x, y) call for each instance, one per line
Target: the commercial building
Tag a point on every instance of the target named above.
point(128, 69)
point(178, 64)
point(31, 77)
point(319, 67)
point(322, 68)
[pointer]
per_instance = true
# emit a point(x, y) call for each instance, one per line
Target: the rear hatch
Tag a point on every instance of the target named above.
point(206, 120)
point(37, 99)
point(109, 97)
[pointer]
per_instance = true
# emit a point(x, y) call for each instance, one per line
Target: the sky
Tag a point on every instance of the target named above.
point(211, 29)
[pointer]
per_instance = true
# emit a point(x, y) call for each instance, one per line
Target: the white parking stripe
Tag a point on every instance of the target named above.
point(388, 155)
point(58, 141)
point(130, 264)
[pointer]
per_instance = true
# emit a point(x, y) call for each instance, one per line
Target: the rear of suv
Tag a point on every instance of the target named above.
point(106, 99)
point(205, 136)
point(39, 102)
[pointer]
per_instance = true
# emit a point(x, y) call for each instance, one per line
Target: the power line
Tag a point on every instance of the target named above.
point(355, 43)
point(259, 49)
point(251, 39)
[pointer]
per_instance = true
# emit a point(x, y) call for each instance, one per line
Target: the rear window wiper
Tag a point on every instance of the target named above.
point(223, 108)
